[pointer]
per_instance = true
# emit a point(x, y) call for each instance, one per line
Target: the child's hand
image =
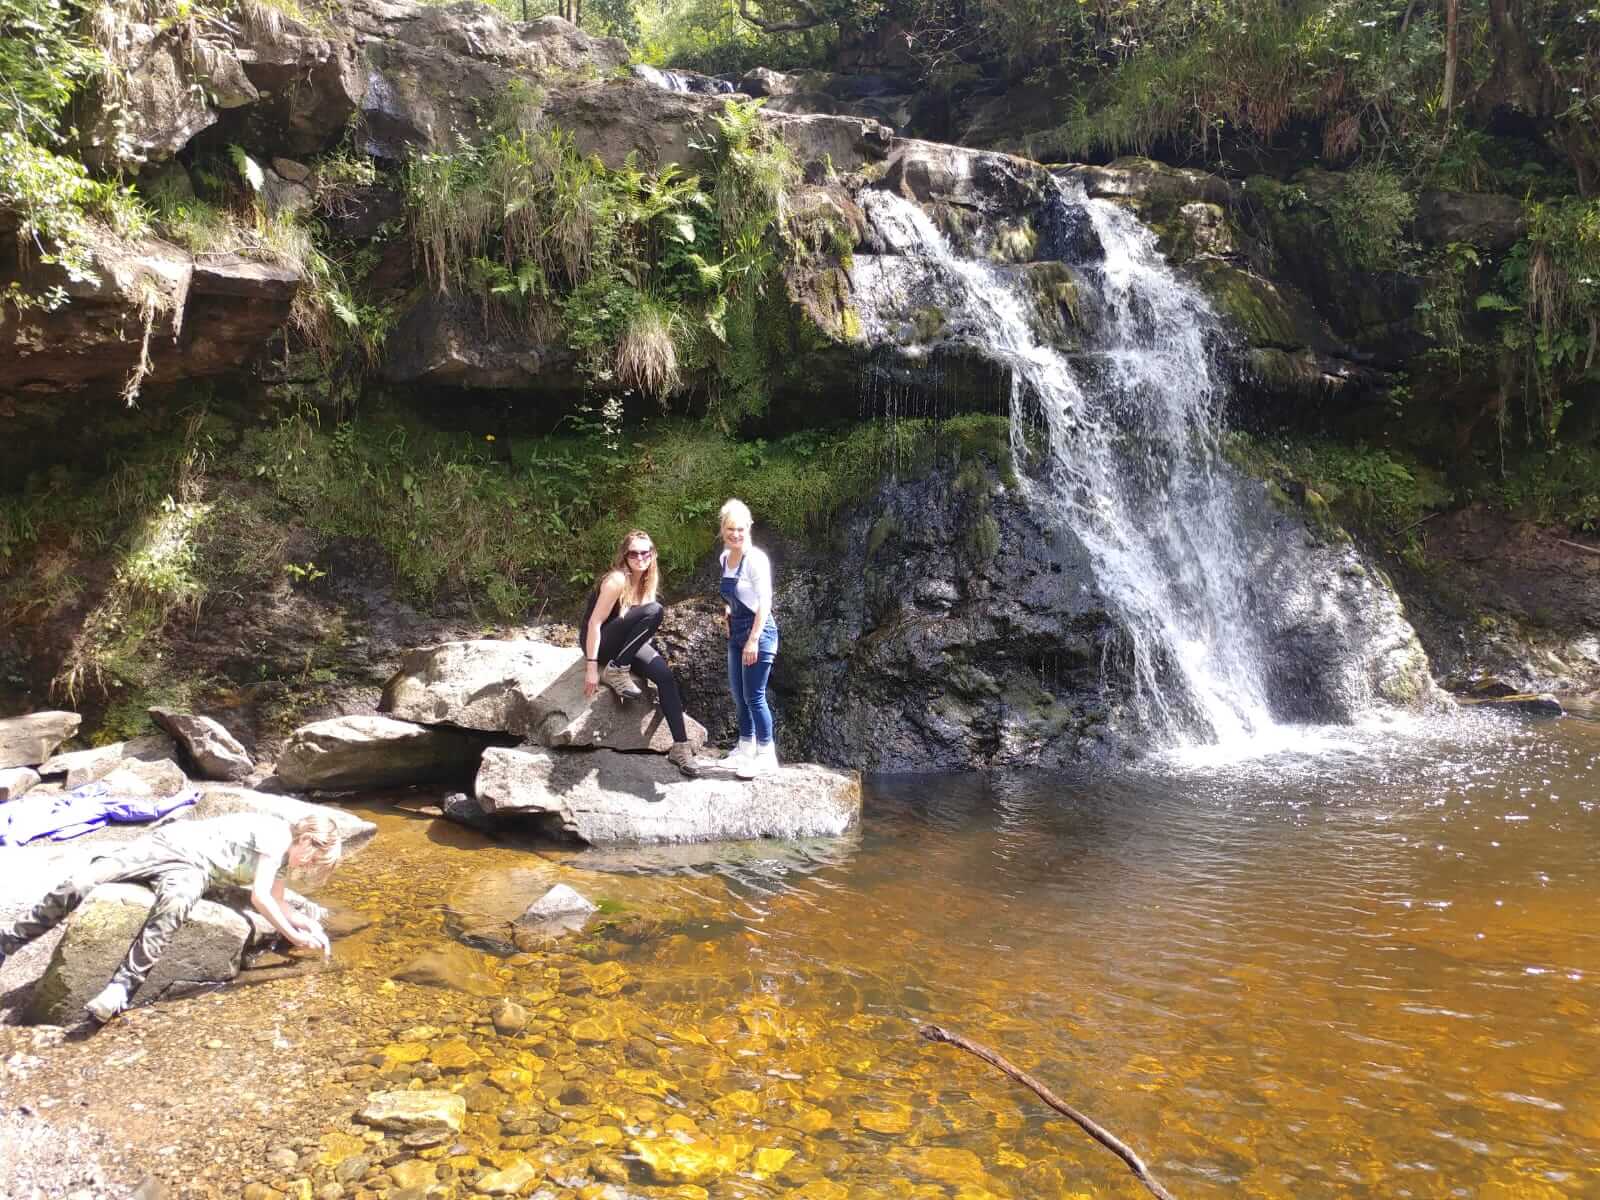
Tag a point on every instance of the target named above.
point(310, 936)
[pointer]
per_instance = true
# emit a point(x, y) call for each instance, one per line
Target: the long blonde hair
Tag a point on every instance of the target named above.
point(649, 581)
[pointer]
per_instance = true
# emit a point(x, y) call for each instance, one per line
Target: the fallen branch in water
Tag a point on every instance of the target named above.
point(1100, 1134)
point(1579, 546)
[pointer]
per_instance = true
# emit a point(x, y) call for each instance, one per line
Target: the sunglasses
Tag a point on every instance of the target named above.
point(644, 554)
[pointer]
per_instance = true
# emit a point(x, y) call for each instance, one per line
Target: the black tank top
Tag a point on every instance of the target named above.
point(588, 613)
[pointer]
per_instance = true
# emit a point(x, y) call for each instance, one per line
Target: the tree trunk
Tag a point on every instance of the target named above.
point(1452, 13)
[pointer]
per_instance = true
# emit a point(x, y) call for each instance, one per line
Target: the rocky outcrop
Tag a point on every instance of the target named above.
point(30, 740)
point(603, 797)
point(530, 690)
point(206, 949)
point(215, 753)
point(79, 767)
point(374, 752)
point(195, 318)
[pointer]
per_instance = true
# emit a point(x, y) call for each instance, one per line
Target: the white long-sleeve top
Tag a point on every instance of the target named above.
point(755, 578)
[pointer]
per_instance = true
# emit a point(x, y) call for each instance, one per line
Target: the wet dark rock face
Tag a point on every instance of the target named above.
point(943, 628)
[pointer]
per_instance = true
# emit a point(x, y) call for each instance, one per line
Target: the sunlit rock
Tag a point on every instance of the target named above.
point(509, 1181)
point(608, 797)
point(30, 740)
point(218, 800)
point(372, 751)
point(450, 966)
point(531, 690)
point(85, 766)
point(414, 1111)
point(14, 781)
point(159, 779)
point(697, 1160)
point(215, 753)
point(205, 949)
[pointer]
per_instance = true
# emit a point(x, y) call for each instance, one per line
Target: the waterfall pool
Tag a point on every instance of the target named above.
point(1368, 969)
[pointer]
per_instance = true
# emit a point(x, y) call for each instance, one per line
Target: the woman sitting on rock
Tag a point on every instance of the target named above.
point(752, 640)
point(622, 616)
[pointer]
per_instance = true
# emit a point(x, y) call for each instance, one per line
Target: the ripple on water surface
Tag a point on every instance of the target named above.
point(1360, 969)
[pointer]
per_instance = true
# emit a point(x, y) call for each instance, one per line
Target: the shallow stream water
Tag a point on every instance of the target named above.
point(1364, 968)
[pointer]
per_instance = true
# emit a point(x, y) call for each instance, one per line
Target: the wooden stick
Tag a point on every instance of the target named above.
point(1579, 546)
point(1098, 1132)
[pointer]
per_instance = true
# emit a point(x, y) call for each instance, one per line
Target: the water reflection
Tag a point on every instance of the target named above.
point(1364, 971)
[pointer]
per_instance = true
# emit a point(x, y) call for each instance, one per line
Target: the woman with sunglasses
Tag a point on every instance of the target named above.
point(621, 618)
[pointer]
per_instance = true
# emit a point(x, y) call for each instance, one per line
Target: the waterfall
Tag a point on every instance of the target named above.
point(1123, 429)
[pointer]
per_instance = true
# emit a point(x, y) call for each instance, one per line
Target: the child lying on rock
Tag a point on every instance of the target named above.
point(179, 862)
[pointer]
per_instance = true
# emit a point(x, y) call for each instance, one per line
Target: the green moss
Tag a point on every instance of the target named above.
point(884, 528)
point(983, 538)
point(1253, 303)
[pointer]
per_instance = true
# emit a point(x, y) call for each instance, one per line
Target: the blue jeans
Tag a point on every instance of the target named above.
point(749, 684)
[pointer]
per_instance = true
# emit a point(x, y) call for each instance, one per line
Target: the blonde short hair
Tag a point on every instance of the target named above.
point(322, 834)
point(735, 508)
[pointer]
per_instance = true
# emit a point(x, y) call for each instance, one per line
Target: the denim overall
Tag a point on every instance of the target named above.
point(749, 684)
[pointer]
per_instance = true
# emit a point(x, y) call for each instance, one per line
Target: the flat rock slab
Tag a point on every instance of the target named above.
point(414, 1112)
point(28, 741)
point(530, 690)
point(87, 766)
point(215, 753)
point(132, 777)
point(217, 800)
point(206, 949)
point(603, 797)
point(16, 780)
point(371, 752)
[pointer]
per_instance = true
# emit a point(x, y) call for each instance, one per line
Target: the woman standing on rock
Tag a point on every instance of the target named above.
point(622, 616)
point(752, 640)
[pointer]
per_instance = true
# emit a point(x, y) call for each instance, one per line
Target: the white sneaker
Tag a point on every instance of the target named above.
point(108, 1003)
point(763, 760)
point(745, 749)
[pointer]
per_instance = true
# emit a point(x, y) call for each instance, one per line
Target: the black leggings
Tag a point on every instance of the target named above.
point(625, 642)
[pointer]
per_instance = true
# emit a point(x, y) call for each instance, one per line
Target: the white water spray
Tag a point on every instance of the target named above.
point(1130, 426)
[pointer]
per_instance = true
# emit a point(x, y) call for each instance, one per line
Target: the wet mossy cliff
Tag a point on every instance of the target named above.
point(300, 420)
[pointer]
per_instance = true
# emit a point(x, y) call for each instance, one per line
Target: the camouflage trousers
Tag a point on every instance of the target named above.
point(177, 883)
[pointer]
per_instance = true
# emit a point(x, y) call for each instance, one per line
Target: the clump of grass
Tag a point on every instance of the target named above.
point(647, 353)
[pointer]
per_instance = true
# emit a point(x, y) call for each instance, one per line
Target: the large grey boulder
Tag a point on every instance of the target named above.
point(370, 752)
point(217, 800)
point(602, 796)
point(85, 766)
point(215, 753)
point(530, 690)
point(206, 949)
point(28, 741)
point(1481, 218)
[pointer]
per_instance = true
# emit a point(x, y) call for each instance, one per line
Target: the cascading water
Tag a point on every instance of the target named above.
point(1130, 463)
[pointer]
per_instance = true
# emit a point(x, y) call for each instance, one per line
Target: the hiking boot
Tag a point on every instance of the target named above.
point(108, 1003)
point(620, 681)
point(682, 756)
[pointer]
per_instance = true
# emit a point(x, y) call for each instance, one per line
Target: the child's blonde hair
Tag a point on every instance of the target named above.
point(322, 834)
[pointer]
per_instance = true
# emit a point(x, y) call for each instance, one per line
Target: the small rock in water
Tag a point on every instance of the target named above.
point(509, 1018)
point(509, 1182)
point(559, 901)
point(410, 1112)
point(453, 967)
point(283, 1158)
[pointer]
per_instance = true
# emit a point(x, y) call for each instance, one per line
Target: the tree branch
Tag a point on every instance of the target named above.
point(1098, 1132)
point(811, 20)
